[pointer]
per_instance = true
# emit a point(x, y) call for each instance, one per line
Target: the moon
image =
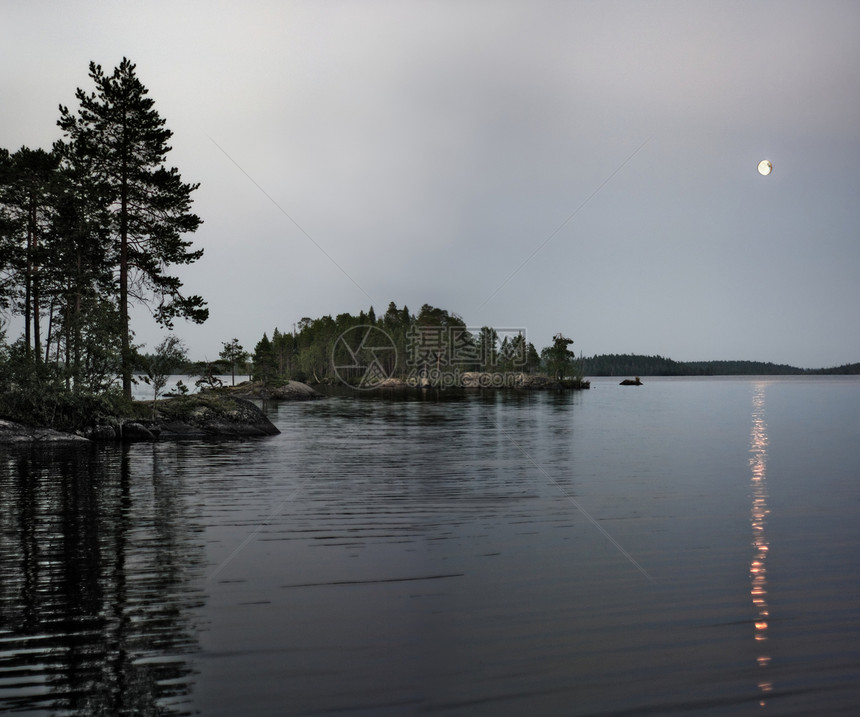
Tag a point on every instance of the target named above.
point(765, 167)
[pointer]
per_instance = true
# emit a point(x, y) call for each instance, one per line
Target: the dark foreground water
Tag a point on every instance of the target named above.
point(686, 547)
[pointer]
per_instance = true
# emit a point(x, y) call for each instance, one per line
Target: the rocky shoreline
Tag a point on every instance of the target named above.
point(13, 432)
point(227, 412)
point(198, 416)
point(230, 412)
point(484, 379)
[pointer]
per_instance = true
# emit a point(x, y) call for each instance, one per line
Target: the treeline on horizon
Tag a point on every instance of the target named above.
point(639, 365)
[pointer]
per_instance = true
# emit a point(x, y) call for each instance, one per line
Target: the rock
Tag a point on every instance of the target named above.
point(211, 416)
point(179, 429)
point(101, 432)
point(134, 431)
point(631, 382)
point(195, 416)
point(291, 391)
point(492, 379)
point(391, 382)
point(295, 391)
point(12, 432)
point(538, 383)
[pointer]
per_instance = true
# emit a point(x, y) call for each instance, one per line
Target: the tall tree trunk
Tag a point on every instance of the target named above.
point(123, 290)
point(48, 333)
point(73, 325)
point(37, 331)
point(67, 331)
point(58, 349)
point(28, 282)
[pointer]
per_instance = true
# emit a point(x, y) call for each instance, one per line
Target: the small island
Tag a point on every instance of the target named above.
point(433, 349)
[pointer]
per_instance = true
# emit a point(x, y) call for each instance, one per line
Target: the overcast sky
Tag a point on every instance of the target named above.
point(583, 167)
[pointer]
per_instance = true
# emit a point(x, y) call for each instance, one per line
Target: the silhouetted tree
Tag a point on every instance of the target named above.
point(28, 203)
point(118, 142)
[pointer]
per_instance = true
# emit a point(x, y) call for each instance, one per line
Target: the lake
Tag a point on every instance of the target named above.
point(690, 546)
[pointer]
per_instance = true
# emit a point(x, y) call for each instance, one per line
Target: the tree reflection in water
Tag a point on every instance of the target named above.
point(100, 569)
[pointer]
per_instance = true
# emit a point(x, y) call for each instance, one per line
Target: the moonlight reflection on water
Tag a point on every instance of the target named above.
point(758, 519)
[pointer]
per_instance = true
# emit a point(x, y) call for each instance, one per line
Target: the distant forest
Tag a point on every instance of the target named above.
point(638, 365)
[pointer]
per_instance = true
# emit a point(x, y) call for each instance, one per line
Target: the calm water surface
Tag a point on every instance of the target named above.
point(690, 546)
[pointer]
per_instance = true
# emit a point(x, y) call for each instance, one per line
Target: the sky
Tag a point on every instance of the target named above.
point(586, 168)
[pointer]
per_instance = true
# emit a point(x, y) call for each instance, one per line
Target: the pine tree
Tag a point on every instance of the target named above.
point(234, 353)
point(264, 361)
point(88, 324)
point(120, 142)
point(487, 349)
point(283, 349)
point(559, 359)
point(28, 190)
